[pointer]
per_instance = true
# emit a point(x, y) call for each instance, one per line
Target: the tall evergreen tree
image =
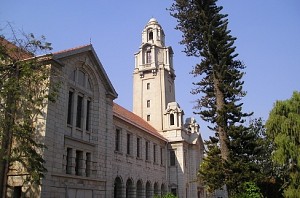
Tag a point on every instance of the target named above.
point(283, 128)
point(206, 35)
point(24, 93)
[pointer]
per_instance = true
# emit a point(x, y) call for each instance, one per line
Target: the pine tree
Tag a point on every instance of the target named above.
point(25, 92)
point(206, 35)
point(283, 128)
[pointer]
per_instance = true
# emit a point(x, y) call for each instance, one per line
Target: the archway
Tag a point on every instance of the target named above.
point(130, 191)
point(118, 187)
point(163, 189)
point(139, 189)
point(156, 189)
point(148, 190)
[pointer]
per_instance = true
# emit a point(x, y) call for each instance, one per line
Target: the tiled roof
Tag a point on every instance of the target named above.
point(135, 120)
point(14, 51)
point(71, 49)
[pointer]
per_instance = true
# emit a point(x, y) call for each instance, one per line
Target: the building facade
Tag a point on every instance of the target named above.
point(96, 148)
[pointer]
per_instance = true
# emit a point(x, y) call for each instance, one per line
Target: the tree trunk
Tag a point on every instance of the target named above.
point(223, 137)
point(6, 145)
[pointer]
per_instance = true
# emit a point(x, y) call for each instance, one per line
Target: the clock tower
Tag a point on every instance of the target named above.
point(154, 101)
point(153, 79)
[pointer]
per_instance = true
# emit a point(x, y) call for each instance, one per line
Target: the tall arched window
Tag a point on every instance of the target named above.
point(79, 100)
point(150, 35)
point(148, 55)
point(171, 119)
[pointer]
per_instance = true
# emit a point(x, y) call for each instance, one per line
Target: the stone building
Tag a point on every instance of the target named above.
point(96, 148)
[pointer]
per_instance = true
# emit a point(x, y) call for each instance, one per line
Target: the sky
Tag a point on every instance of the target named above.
point(267, 32)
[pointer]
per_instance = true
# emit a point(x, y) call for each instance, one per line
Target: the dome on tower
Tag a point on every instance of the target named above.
point(152, 20)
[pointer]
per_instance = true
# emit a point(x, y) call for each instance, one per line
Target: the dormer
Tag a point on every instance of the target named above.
point(173, 116)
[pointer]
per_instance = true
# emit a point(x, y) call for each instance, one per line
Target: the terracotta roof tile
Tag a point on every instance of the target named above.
point(14, 51)
point(71, 49)
point(135, 120)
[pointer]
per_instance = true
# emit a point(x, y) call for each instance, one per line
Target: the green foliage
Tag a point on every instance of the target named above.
point(250, 160)
point(25, 90)
point(231, 152)
point(168, 195)
point(249, 190)
point(212, 173)
point(283, 128)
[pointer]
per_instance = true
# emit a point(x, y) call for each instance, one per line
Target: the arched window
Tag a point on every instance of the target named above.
point(150, 35)
point(130, 191)
point(139, 189)
point(148, 55)
point(156, 190)
point(148, 190)
point(118, 188)
point(79, 100)
point(171, 119)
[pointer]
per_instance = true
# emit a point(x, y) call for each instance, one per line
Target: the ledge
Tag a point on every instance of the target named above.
point(77, 177)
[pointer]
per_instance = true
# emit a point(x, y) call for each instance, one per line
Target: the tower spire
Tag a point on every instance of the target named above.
point(153, 76)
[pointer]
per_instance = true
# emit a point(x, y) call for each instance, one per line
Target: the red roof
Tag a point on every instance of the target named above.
point(13, 51)
point(135, 120)
point(71, 49)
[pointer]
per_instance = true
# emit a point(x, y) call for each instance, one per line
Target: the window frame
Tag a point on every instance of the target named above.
point(172, 155)
point(129, 144)
point(118, 140)
point(138, 147)
point(147, 150)
point(79, 110)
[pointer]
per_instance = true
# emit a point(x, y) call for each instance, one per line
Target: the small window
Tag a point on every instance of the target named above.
point(87, 119)
point(69, 161)
point(151, 35)
point(138, 147)
point(148, 103)
point(148, 117)
point(118, 140)
point(154, 153)
point(148, 56)
point(88, 164)
point(172, 158)
point(161, 155)
point(148, 86)
point(174, 191)
point(128, 144)
point(171, 119)
point(79, 111)
point(147, 150)
point(78, 162)
point(70, 107)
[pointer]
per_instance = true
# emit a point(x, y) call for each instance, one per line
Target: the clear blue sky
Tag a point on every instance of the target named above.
point(268, 42)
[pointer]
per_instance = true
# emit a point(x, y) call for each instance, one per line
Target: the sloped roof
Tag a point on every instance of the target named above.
point(82, 49)
point(135, 120)
point(13, 51)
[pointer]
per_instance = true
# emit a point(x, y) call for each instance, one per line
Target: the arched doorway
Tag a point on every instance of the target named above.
point(148, 190)
point(156, 189)
point(118, 187)
point(130, 191)
point(139, 189)
point(163, 190)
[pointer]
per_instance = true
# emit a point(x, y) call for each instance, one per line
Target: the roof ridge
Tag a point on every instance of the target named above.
point(136, 120)
point(71, 49)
